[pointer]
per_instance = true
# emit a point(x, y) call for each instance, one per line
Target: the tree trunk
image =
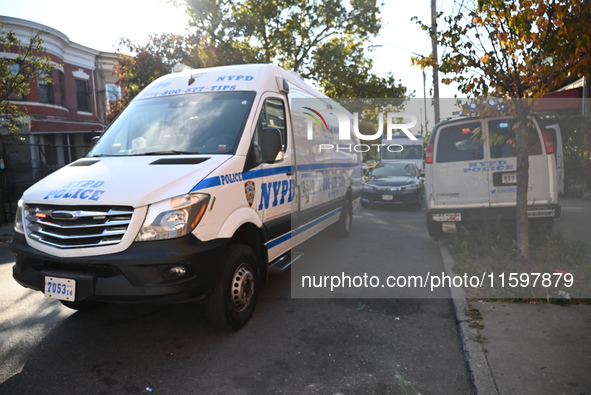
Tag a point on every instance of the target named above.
point(521, 141)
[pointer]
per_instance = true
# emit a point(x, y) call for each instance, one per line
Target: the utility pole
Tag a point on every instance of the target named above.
point(435, 58)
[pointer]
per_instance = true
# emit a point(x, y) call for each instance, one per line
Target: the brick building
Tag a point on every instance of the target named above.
point(64, 115)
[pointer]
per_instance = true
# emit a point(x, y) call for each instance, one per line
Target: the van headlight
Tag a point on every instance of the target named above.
point(173, 218)
point(19, 225)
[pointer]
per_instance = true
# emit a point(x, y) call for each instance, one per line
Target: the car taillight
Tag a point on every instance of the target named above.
point(429, 153)
point(548, 142)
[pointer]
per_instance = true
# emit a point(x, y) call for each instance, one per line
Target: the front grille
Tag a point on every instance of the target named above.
point(77, 227)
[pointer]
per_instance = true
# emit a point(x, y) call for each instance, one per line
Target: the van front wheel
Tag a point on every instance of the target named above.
point(434, 228)
point(231, 303)
point(345, 222)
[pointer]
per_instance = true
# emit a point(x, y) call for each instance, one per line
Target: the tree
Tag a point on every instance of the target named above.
point(142, 64)
point(321, 41)
point(17, 74)
point(519, 49)
point(138, 65)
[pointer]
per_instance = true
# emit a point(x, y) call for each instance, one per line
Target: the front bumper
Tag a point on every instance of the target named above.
point(138, 274)
point(409, 197)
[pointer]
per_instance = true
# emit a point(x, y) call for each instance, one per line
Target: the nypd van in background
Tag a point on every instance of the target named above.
point(471, 168)
point(201, 187)
point(405, 149)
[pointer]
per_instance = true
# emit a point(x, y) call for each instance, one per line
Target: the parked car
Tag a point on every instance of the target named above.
point(394, 183)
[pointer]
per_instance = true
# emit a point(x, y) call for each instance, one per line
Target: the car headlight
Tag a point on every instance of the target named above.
point(173, 218)
point(413, 186)
point(19, 225)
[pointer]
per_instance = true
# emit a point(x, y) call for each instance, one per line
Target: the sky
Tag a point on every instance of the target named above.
point(101, 27)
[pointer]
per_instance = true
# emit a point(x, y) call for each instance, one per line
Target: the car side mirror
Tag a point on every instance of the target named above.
point(270, 145)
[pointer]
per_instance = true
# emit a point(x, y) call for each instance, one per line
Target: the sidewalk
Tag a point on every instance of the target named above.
point(530, 348)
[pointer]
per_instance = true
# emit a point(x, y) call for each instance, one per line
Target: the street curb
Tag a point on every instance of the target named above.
point(478, 367)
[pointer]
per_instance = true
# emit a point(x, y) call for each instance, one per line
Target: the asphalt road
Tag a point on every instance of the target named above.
point(351, 344)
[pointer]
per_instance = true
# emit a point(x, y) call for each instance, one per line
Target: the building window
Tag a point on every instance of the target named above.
point(83, 95)
point(45, 89)
point(14, 70)
point(113, 92)
point(62, 82)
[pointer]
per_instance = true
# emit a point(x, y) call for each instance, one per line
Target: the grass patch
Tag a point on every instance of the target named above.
point(488, 252)
point(475, 317)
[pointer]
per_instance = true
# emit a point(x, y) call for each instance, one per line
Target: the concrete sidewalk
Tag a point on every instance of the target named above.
point(530, 348)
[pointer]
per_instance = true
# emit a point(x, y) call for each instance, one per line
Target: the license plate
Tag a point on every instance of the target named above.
point(540, 213)
point(509, 178)
point(60, 288)
point(451, 217)
point(387, 197)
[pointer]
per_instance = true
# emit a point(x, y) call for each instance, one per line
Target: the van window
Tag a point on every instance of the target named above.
point(273, 116)
point(459, 142)
point(502, 139)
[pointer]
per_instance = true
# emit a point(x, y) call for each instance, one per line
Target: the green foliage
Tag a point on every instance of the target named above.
point(322, 41)
point(515, 48)
point(139, 65)
point(17, 74)
point(487, 240)
point(491, 249)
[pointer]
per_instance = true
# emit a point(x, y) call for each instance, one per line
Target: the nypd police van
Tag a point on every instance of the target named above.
point(471, 169)
point(201, 187)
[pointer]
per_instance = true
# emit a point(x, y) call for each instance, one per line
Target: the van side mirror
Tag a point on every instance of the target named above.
point(270, 144)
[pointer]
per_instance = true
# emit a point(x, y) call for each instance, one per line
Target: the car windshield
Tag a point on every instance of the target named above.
point(394, 170)
point(201, 123)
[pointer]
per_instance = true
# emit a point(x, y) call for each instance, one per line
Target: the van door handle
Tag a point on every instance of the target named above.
point(289, 173)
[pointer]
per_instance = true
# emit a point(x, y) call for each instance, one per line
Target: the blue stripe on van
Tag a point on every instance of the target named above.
point(272, 171)
point(301, 229)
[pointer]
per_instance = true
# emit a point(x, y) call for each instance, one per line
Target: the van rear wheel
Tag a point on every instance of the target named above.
point(434, 228)
point(231, 303)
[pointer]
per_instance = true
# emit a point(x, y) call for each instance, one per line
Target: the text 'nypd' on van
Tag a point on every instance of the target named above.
point(471, 172)
point(199, 189)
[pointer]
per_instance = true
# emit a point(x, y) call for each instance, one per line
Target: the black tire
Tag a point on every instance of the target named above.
point(232, 301)
point(434, 228)
point(84, 305)
point(343, 226)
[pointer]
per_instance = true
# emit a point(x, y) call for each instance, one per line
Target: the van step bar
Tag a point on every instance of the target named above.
point(284, 261)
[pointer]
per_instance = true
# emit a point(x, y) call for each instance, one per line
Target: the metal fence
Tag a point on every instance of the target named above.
point(24, 165)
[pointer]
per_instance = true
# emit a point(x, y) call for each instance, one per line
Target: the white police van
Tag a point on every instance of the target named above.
point(471, 168)
point(402, 148)
point(199, 189)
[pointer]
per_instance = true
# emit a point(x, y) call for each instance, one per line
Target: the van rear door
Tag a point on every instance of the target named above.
point(503, 165)
point(458, 178)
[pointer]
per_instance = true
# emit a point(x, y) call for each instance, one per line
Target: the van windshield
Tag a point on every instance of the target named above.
point(200, 123)
point(407, 152)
